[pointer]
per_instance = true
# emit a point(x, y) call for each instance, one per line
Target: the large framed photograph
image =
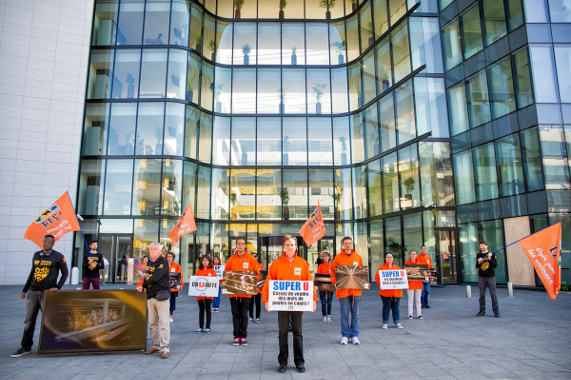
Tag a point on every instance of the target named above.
point(352, 277)
point(175, 279)
point(240, 282)
point(323, 282)
point(419, 272)
point(79, 321)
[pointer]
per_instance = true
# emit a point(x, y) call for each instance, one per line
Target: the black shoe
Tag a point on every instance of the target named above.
point(423, 307)
point(19, 352)
point(282, 368)
point(481, 313)
point(300, 369)
point(427, 306)
point(498, 315)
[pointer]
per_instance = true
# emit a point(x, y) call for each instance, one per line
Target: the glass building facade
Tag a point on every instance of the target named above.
point(433, 123)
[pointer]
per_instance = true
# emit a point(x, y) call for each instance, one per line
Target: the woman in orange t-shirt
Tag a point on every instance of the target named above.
point(414, 289)
point(205, 303)
point(391, 297)
point(326, 297)
point(174, 267)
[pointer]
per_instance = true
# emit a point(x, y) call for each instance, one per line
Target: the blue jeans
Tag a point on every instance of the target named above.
point(326, 301)
point(216, 300)
point(388, 305)
point(425, 293)
point(352, 303)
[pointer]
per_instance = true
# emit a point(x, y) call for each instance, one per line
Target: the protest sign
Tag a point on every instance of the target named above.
point(203, 286)
point(290, 295)
point(323, 282)
point(240, 282)
point(419, 272)
point(219, 270)
point(393, 279)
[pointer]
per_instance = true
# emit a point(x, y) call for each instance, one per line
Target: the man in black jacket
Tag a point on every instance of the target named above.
point(92, 264)
point(157, 287)
point(486, 264)
point(46, 265)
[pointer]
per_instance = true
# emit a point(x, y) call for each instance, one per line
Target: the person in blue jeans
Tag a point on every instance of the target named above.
point(216, 301)
point(326, 297)
point(423, 258)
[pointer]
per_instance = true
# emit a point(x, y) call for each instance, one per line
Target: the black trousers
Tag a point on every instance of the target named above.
point(204, 306)
point(283, 323)
point(239, 306)
point(34, 301)
point(257, 299)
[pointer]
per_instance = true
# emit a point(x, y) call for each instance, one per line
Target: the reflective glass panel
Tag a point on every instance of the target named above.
point(374, 188)
point(319, 91)
point(180, 14)
point(452, 47)
point(294, 195)
point(245, 44)
point(293, 44)
point(503, 97)
point(337, 43)
point(360, 191)
point(523, 80)
point(243, 194)
point(126, 74)
point(191, 138)
point(157, 22)
point(293, 87)
point(371, 121)
point(122, 129)
point(244, 92)
point(472, 32)
point(100, 69)
point(207, 86)
point(341, 141)
point(384, 73)
point(269, 96)
point(222, 89)
point(91, 180)
point(205, 137)
point(195, 38)
point(268, 194)
point(321, 190)
point(317, 44)
point(425, 44)
point(172, 188)
point(543, 73)
point(554, 157)
point(357, 137)
point(146, 187)
point(563, 60)
point(352, 45)
point(510, 165)
point(339, 90)
point(150, 129)
point(369, 78)
point(515, 14)
point(485, 168)
point(405, 113)
point(380, 17)
point(174, 129)
point(532, 159)
point(269, 44)
point(193, 79)
point(105, 23)
point(478, 102)
point(269, 141)
point(494, 20)
point(221, 141)
point(409, 179)
point(320, 148)
point(355, 89)
point(220, 196)
point(401, 52)
point(153, 74)
point(367, 36)
point(95, 129)
point(203, 197)
point(431, 113)
point(458, 111)
point(343, 198)
point(118, 185)
point(224, 37)
point(464, 178)
point(388, 131)
point(131, 13)
point(176, 80)
point(294, 141)
point(243, 141)
point(390, 183)
point(397, 9)
point(189, 185)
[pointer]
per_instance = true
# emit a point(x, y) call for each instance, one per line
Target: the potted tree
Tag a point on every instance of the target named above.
point(396, 249)
point(293, 56)
point(285, 202)
point(409, 184)
point(281, 97)
point(353, 5)
point(217, 89)
point(246, 51)
point(343, 141)
point(198, 39)
point(286, 149)
point(385, 77)
point(318, 91)
point(238, 4)
point(370, 32)
point(283, 4)
point(233, 198)
point(189, 87)
point(213, 48)
point(327, 4)
point(340, 46)
point(131, 88)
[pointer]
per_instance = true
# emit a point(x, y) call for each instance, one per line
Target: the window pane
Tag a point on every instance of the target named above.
point(91, 180)
point(377, 244)
point(431, 113)
point(321, 190)
point(208, 44)
point(146, 187)
point(269, 186)
point(222, 89)
point(243, 194)
point(172, 188)
point(320, 148)
point(355, 91)
point(177, 74)
point(343, 197)
point(205, 136)
point(220, 196)
point(425, 44)
point(384, 73)
point(523, 80)
point(341, 142)
point(189, 185)
point(157, 22)
point(559, 11)
point(468, 250)
point(122, 129)
point(339, 90)
point(150, 129)
point(451, 41)
point(203, 197)
point(244, 92)
point(472, 32)
point(146, 231)
point(245, 43)
point(352, 39)
point(317, 44)
point(195, 38)
point(369, 78)
point(95, 129)
point(563, 59)
point(131, 15)
point(371, 121)
point(105, 22)
point(405, 113)
point(516, 14)
point(401, 52)
point(294, 141)
point(397, 9)
point(393, 235)
point(293, 86)
point(503, 99)
point(191, 129)
point(374, 187)
point(510, 165)
point(293, 44)
point(118, 182)
point(243, 141)
point(269, 84)
point(337, 43)
point(478, 104)
point(536, 11)
point(554, 157)
point(436, 176)
point(567, 129)
point(458, 111)
point(319, 97)
point(295, 194)
point(464, 178)
point(126, 74)
point(221, 141)
point(269, 141)
point(494, 20)
point(174, 129)
point(388, 132)
point(357, 137)
point(543, 73)
point(207, 86)
point(193, 79)
point(180, 14)
point(412, 232)
point(269, 44)
point(409, 182)
point(486, 178)
point(153, 74)
point(367, 38)
point(390, 182)
point(360, 191)
point(224, 37)
point(100, 69)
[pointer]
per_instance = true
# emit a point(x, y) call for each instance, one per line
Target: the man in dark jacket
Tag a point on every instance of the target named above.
point(486, 264)
point(157, 287)
point(92, 264)
point(46, 265)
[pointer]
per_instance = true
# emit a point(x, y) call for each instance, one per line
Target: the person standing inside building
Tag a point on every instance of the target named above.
point(92, 264)
point(319, 259)
point(241, 261)
point(204, 303)
point(216, 300)
point(289, 267)
point(349, 299)
point(326, 297)
point(414, 291)
point(47, 265)
point(391, 297)
point(257, 299)
point(157, 287)
point(174, 268)
point(103, 272)
point(423, 258)
point(486, 264)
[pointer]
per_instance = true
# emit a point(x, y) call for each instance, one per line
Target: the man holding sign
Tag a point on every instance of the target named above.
point(289, 273)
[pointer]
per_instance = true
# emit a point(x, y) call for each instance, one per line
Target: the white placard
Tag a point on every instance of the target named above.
point(290, 295)
point(203, 286)
point(219, 270)
point(393, 279)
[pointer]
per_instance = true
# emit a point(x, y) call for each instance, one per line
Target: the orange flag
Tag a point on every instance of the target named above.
point(183, 226)
point(56, 220)
point(313, 229)
point(543, 249)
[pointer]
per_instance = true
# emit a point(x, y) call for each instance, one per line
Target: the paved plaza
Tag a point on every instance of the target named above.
point(532, 340)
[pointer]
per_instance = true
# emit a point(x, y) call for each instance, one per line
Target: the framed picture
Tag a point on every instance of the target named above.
point(174, 279)
point(352, 277)
point(240, 282)
point(323, 282)
point(419, 272)
point(77, 321)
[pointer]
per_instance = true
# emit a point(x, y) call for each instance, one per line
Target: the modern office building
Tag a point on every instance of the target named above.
point(437, 123)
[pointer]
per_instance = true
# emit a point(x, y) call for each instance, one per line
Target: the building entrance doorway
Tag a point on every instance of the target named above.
point(447, 256)
point(270, 248)
point(117, 249)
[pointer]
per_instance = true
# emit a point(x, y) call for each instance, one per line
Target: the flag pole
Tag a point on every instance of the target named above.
point(79, 220)
point(517, 241)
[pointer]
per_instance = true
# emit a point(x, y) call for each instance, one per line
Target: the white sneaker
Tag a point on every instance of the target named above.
point(385, 326)
point(398, 326)
point(328, 318)
point(199, 331)
point(170, 320)
point(250, 320)
point(324, 319)
point(355, 340)
point(344, 341)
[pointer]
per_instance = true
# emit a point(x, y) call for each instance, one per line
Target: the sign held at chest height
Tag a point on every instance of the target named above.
point(290, 295)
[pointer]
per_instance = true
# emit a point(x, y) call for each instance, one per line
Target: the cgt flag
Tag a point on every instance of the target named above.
point(183, 226)
point(56, 220)
point(543, 249)
point(313, 229)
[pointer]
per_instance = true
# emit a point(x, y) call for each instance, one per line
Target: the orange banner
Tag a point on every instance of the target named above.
point(313, 229)
point(56, 220)
point(543, 249)
point(183, 226)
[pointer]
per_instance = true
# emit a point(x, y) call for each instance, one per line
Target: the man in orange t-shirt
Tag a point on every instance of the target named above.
point(241, 261)
point(423, 258)
point(349, 299)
